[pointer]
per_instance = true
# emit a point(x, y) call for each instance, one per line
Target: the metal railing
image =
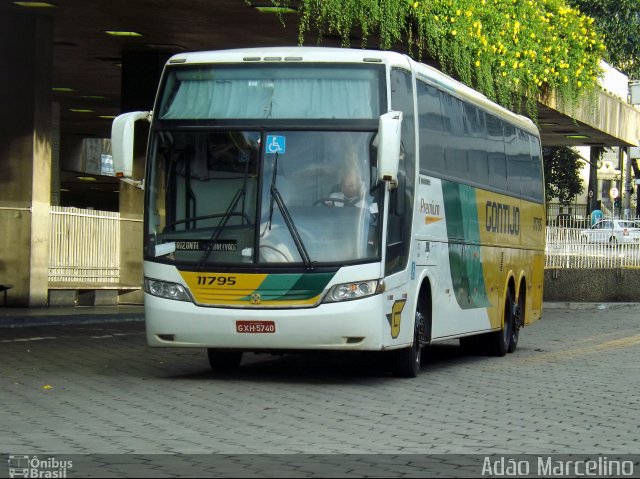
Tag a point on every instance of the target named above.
point(84, 246)
point(565, 248)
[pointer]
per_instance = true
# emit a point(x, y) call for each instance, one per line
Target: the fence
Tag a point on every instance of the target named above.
point(85, 246)
point(566, 249)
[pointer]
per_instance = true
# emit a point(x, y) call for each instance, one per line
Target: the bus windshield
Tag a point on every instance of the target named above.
point(263, 197)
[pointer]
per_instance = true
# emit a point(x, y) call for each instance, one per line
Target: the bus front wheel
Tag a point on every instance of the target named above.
point(224, 361)
point(405, 363)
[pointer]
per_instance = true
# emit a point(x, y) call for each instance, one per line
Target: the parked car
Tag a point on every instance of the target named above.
point(612, 232)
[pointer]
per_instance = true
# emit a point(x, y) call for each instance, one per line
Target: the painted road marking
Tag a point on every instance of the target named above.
point(585, 350)
point(38, 338)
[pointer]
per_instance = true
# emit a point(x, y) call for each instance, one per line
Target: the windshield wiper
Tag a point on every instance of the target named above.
point(275, 195)
point(297, 239)
point(218, 231)
point(273, 185)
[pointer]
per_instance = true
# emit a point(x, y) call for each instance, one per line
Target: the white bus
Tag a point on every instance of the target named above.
point(334, 199)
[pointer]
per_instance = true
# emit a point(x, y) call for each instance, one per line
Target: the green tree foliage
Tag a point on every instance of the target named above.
point(562, 174)
point(619, 22)
point(510, 50)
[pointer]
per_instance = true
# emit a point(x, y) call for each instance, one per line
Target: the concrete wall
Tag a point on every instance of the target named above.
point(592, 285)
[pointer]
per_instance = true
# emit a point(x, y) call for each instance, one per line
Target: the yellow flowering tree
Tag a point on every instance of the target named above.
point(510, 50)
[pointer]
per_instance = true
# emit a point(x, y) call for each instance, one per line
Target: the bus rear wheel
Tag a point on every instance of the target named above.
point(224, 361)
point(518, 321)
point(498, 342)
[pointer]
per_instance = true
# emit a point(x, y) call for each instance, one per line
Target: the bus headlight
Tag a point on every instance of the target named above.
point(356, 290)
point(164, 289)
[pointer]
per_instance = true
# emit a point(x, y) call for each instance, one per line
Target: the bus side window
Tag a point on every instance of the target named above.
point(497, 157)
point(401, 198)
point(430, 124)
point(536, 170)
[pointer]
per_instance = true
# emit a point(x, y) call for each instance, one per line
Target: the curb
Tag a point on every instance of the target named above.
point(51, 316)
point(588, 306)
point(34, 322)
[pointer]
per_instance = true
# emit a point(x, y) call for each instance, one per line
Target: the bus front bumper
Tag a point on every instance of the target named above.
point(349, 325)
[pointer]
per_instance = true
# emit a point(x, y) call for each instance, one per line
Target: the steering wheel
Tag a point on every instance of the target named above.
point(332, 201)
point(286, 257)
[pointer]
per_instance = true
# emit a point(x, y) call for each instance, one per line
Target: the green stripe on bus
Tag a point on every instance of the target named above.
point(465, 254)
point(292, 286)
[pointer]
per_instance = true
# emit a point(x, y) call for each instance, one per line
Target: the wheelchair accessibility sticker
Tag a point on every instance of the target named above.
point(276, 144)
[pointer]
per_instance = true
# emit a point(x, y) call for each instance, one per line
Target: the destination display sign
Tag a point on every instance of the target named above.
point(203, 245)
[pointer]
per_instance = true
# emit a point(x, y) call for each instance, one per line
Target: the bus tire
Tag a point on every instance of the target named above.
point(224, 361)
point(518, 321)
point(405, 363)
point(498, 341)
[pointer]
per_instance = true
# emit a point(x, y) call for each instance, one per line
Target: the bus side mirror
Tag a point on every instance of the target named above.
point(122, 134)
point(389, 147)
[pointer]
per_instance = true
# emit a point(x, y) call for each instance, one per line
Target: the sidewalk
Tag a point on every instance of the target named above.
point(61, 315)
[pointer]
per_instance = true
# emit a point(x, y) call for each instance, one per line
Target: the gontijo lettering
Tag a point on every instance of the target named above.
point(502, 218)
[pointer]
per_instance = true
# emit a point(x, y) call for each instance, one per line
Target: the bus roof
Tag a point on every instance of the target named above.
point(291, 54)
point(294, 54)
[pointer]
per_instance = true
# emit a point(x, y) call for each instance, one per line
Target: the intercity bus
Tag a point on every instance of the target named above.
point(248, 248)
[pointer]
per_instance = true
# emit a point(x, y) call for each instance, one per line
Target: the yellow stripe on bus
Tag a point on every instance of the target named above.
point(221, 288)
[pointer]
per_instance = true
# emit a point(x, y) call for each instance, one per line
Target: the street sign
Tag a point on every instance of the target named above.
point(613, 193)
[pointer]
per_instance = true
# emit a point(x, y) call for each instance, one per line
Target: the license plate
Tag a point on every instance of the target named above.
point(255, 327)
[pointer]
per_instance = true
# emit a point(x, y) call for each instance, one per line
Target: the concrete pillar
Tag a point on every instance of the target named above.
point(26, 42)
point(636, 173)
point(55, 154)
point(131, 214)
point(140, 76)
point(594, 156)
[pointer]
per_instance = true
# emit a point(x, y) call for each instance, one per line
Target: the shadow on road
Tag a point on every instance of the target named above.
point(329, 367)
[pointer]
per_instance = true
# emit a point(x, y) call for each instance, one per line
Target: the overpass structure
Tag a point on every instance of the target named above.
point(70, 66)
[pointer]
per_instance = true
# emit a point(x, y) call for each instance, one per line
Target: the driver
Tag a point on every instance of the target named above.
point(351, 191)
